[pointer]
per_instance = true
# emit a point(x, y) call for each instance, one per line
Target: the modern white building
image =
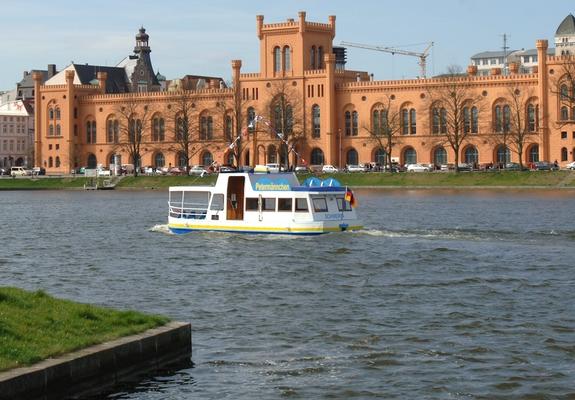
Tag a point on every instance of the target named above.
point(16, 134)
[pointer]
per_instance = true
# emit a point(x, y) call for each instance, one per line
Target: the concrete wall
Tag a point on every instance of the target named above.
point(98, 368)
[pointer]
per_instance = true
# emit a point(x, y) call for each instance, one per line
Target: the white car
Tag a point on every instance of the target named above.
point(274, 168)
point(355, 168)
point(329, 169)
point(198, 170)
point(571, 165)
point(418, 168)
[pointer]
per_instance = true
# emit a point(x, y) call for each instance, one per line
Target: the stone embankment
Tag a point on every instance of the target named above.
point(98, 368)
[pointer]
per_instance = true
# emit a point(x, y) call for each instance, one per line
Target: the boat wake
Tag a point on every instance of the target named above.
point(162, 228)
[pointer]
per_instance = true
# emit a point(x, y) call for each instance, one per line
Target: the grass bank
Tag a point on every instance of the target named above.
point(546, 179)
point(35, 326)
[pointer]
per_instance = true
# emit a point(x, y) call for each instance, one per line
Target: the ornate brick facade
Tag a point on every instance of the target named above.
point(331, 113)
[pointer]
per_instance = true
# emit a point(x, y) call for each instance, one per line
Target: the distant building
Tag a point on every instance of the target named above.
point(565, 37)
point(25, 88)
point(16, 134)
point(487, 61)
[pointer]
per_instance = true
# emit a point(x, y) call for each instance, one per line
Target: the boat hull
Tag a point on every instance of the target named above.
point(315, 229)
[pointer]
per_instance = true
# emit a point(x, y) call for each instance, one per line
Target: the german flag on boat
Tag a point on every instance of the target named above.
point(349, 196)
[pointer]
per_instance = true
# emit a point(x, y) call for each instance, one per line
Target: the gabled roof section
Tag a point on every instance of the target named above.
point(116, 82)
point(567, 27)
point(85, 75)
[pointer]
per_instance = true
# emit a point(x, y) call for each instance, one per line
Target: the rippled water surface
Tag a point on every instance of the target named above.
point(444, 295)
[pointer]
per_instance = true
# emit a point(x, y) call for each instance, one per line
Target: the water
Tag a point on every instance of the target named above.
point(444, 295)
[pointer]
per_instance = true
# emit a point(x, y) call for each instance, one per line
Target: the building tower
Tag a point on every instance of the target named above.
point(143, 78)
point(565, 37)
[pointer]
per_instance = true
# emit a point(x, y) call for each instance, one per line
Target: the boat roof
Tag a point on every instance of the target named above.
point(273, 182)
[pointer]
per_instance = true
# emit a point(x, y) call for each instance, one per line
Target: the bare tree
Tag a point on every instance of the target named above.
point(385, 128)
point(449, 100)
point(183, 123)
point(134, 128)
point(285, 112)
point(234, 122)
point(522, 124)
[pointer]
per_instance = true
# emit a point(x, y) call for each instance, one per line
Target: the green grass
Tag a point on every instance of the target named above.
point(35, 326)
point(548, 179)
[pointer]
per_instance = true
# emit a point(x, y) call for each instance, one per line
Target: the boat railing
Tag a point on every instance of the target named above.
point(188, 211)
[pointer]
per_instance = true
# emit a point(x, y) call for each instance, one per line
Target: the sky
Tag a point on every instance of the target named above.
point(201, 38)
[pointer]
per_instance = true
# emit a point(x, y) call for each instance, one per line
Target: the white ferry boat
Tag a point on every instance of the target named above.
point(263, 203)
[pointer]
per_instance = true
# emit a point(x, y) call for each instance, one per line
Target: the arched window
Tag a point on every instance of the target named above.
point(471, 156)
point(317, 157)
point(474, 120)
point(439, 120)
point(534, 153)
point(531, 118)
point(51, 130)
point(228, 127)
point(92, 161)
point(251, 119)
point(440, 156)
point(287, 58)
point(57, 161)
point(277, 122)
point(354, 123)
point(351, 157)
point(564, 155)
point(230, 159)
point(207, 159)
point(443, 120)
point(410, 156)
point(206, 128)
point(159, 160)
point(277, 59)
point(50, 162)
point(272, 154)
point(466, 120)
point(135, 130)
point(312, 57)
point(412, 122)
point(59, 130)
point(564, 92)
point(404, 121)
point(376, 126)
point(50, 113)
point(347, 123)
point(506, 118)
point(564, 113)
point(316, 123)
point(182, 160)
point(320, 57)
point(57, 113)
point(91, 132)
point(503, 155)
point(498, 119)
point(289, 119)
point(158, 129)
point(435, 121)
point(380, 156)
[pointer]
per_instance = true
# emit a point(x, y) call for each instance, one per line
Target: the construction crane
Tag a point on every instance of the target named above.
point(392, 50)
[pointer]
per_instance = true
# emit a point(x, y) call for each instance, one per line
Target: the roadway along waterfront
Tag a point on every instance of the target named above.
point(446, 294)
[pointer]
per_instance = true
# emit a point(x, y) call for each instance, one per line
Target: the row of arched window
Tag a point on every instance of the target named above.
point(316, 57)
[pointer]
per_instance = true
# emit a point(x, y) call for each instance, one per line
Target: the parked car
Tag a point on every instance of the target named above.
point(4, 171)
point(418, 168)
point(227, 168)
point(464, 167)
point(104, 172)
point(198, 170)
point(18, 171)
point(38, 171)
point(544, 166)
point(329, 169)
point(570, 166)
point(302, 169)
point(447, 167)
point(355, 168)
point(512, 166)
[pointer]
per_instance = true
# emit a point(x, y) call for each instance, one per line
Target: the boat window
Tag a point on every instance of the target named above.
point(217, 202)
point(176, 196)
point(251, 203)
point(284, 204)
point(343, 205)
point(197, 200)
point(269, 204)
point(301, 205)
point(319, 204)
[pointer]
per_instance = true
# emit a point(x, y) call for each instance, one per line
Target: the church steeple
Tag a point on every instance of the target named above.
point(142, 42)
